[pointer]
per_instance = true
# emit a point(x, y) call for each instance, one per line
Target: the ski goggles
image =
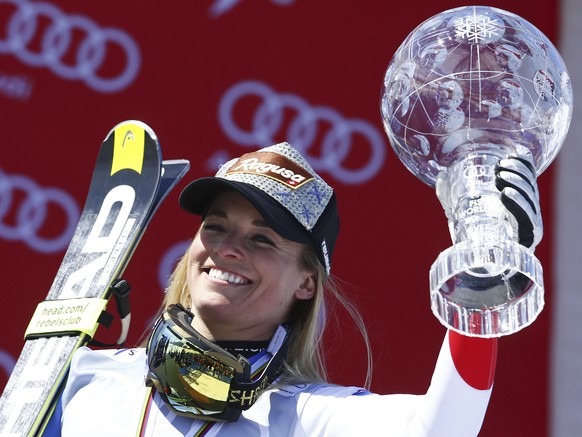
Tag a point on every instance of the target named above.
point(197, 378)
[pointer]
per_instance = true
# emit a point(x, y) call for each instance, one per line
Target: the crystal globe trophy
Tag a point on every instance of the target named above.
point(466, 88)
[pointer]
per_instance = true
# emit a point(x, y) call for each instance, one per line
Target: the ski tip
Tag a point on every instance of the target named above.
point(175, 168)
point(132, 141)
point(182, 163)
point(141, 124)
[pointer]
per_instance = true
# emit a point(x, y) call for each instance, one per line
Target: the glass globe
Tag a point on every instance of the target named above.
point(471, 77)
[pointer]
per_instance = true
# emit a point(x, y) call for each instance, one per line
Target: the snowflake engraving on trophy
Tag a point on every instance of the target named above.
point(478, 29)
point(475, 78)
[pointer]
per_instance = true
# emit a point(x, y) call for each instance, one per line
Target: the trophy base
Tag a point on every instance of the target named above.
point(487, 291)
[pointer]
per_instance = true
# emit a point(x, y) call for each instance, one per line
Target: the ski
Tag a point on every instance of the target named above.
point(129, 182)
point(172, 172)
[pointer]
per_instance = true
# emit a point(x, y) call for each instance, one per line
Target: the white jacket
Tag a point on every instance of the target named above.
point(105, 396)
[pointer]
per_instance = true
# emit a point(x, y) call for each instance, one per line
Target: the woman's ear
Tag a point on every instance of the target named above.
point(306, 289)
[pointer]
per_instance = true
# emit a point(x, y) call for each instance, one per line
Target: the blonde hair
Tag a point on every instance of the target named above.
point(306, 355)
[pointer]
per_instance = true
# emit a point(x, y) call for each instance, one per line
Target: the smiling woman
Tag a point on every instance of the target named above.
point(237, 347)
point(243, 277)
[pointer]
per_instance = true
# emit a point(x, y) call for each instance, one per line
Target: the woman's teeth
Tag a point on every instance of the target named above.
point(227, 276)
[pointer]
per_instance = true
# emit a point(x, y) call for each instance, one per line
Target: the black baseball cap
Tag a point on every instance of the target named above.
point(277, 180)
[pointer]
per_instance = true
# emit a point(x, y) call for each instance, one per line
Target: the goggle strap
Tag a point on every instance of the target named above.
point(278, 339)
point(243, 395)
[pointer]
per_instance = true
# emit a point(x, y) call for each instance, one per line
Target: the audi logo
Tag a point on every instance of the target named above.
point(223, 6)
point(304, 130)
point(24, 209)
point(23, 26)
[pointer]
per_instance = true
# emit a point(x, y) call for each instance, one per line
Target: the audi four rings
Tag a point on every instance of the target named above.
point(223, 6)
point(22, 27)
point(302, 132)
point(31, 213)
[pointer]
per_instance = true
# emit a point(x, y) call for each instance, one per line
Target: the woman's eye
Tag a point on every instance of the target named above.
point(263, 239)
point(212, 227)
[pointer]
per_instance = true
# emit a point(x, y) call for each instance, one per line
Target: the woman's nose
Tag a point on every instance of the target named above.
point(231, 245)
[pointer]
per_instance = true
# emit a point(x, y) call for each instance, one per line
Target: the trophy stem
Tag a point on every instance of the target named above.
point(486, 284)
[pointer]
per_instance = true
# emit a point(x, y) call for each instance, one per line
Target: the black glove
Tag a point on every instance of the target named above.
point(515, 178)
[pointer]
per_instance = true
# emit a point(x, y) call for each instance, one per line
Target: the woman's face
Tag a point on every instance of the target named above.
point(243, 276)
